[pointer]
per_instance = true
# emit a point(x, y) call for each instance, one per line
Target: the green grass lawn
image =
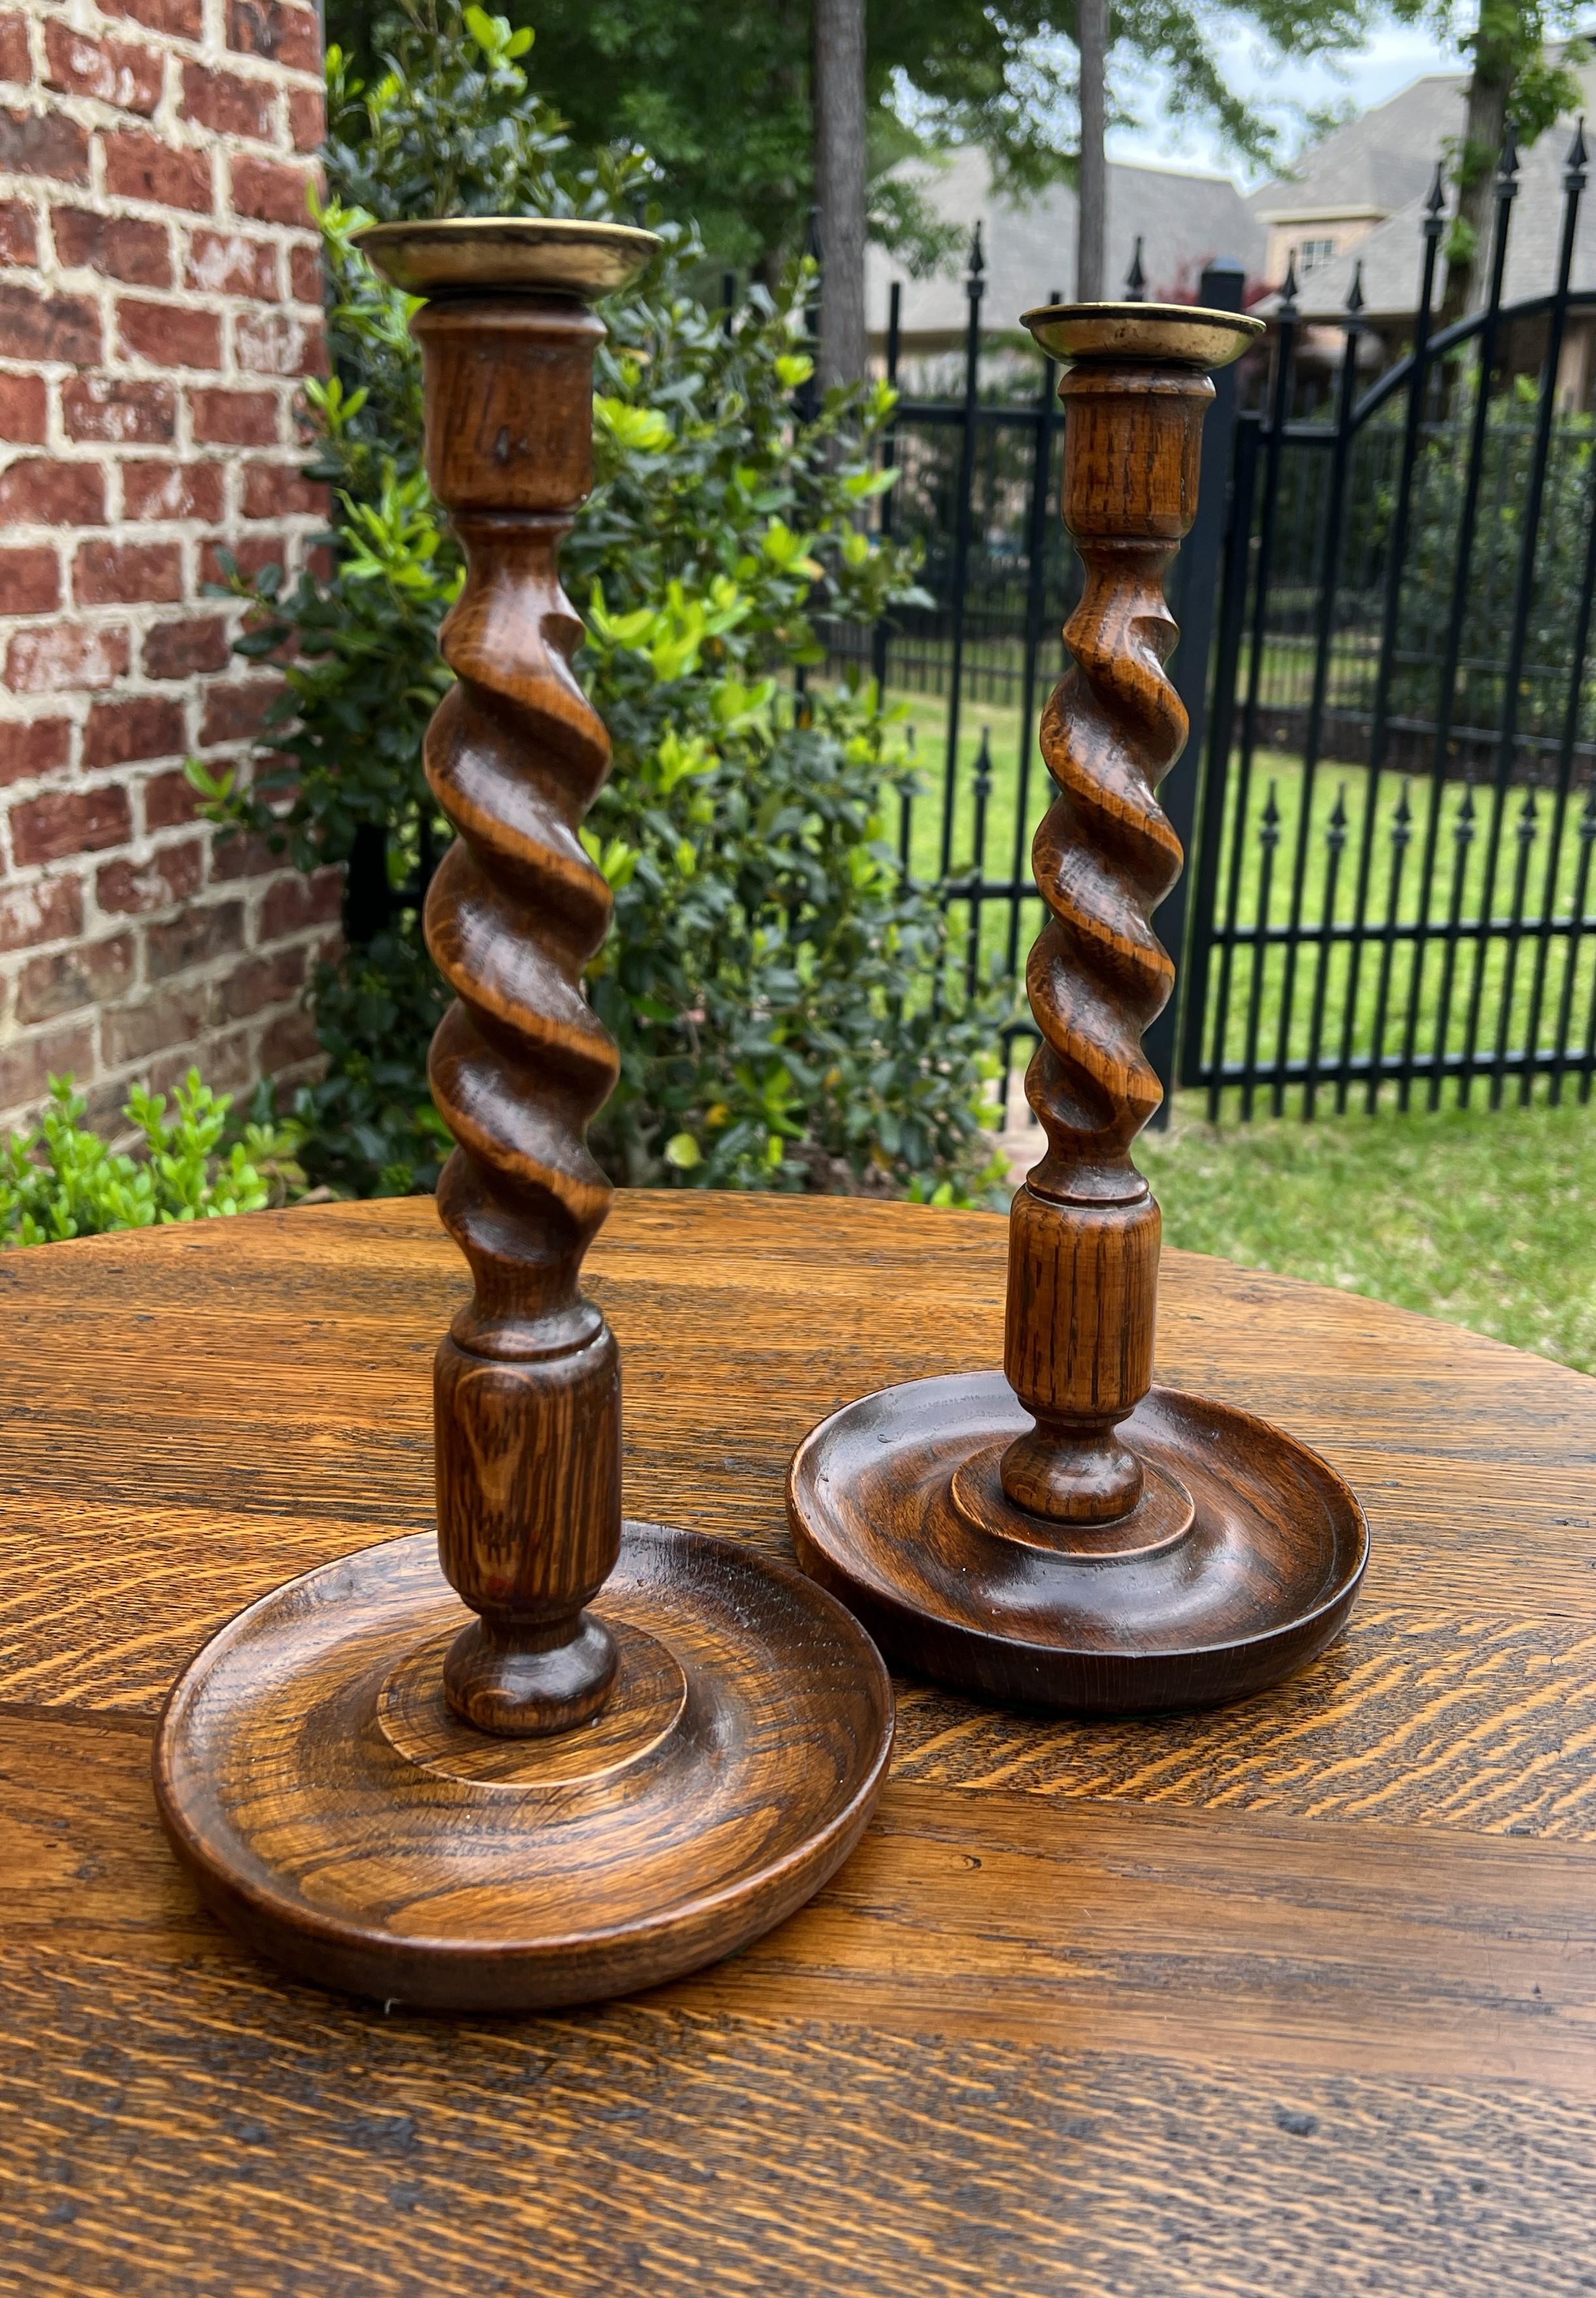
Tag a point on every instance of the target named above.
point(1488, 1220)
point(1518, 983)
point(1284, 1004)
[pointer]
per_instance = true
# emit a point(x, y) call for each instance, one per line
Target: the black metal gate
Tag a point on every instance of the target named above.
point(1392, 882)
point(1389, 798)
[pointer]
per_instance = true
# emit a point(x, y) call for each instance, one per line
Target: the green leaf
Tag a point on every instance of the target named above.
point(766, 979)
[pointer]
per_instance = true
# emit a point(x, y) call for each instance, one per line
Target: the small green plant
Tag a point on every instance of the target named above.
point(63, 1180)
point(770, 976)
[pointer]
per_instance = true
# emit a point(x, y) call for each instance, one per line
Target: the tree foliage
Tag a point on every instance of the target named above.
point(718, 92)
point(1495, 565)
point(1520, 60)
point(768, 974)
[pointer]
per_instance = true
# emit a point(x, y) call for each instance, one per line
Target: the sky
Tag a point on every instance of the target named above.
point(1395, 55)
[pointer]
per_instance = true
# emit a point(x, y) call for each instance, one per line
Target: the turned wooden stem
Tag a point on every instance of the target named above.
point(1085, 1227)
point(527, 1384)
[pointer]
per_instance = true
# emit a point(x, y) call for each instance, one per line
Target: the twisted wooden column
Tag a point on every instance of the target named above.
point(527, 1803)
point(1083, 1253)
point(1066, 1534)
point(527, 1384)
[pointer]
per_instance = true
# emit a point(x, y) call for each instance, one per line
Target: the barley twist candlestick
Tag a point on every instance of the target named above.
point(528, 1380)
point(530, 1801)
point(1068, 1534)
point(1104, 856)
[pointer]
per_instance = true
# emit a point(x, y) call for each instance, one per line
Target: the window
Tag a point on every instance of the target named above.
point(1316, 252)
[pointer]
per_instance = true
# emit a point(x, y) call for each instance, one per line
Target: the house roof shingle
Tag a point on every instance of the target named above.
point(1184, 221)
point(1381, 160)
point(1392, 255)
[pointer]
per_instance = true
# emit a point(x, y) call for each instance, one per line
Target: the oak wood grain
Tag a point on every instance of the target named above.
point(733, 2155)
point(1084, 1228)
point(1243, 2003)
point(1070, 1534)
point(303, 1351)
point(340, 1817)
point(1192, 1933)
point(527, 1380)
point(385, 1774)
point(1214, 2041)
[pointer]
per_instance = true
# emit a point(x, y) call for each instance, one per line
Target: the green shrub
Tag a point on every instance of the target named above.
point(1430, 569)
point(767, 978)
point(64, 1181)
point(1430, 565)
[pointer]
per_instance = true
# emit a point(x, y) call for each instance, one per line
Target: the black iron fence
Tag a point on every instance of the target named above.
point(1389, 800)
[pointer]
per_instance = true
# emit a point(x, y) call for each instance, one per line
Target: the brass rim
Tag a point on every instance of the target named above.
point(1176, 334)
point(526, 255)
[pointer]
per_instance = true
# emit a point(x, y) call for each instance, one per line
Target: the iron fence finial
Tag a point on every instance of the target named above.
point(1435, 206)
point(1574, 165)
point(1289, 292)
point(1354, 294)
point(977, 258)
point(1507, 173)
point(1135, 279)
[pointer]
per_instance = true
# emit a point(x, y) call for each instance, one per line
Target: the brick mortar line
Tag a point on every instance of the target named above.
point(47, 193)
point(289, 526)
point(83, 283)
point(212, 48)
point(164, 873)
point(170, 123)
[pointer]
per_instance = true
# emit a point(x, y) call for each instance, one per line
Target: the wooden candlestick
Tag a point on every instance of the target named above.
point(528, 1801)
point(527, 1382)
point(1069, 1535)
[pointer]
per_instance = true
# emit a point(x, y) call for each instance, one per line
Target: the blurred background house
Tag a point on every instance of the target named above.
point(1180, 219)
point(1341, 190)
point(1355, 204)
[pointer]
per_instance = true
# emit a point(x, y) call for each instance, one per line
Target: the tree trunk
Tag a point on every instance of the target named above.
point(1469, 249)
point(839, 116)
point(1091, 37)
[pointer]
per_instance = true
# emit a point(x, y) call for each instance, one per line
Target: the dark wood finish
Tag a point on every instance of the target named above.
point(1238, 1565)
point(513, 1799)
point(1064, 1540)
point(1294, 1998)
point(1084, 1228)
point(527, 1380)
point(732, 1772)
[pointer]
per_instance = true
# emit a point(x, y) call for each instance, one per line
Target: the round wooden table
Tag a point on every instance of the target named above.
point(1298, 1996)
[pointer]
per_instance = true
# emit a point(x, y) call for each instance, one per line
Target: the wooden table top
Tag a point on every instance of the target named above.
point(1294, 1998)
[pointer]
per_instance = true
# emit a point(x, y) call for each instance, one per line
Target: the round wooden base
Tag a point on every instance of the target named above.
point(336, 1815)
point(1238, 1564)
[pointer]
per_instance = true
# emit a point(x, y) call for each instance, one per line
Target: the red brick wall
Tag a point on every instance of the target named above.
point(159, 302)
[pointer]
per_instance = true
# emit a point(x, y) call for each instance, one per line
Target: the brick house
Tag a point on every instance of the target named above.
point(1357, 203)
point(1347, 185)
point(160, 305)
